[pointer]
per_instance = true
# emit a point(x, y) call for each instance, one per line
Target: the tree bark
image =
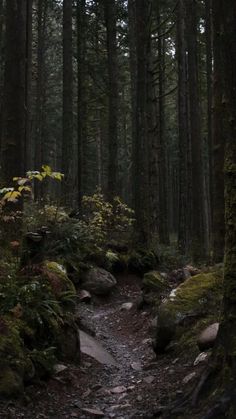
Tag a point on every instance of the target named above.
point(141, 186)
point(110, 19)
point(14, 96)
point(218, 226)
point(197, 233)
point(81, 76)
point(67, 141)
point(183, 230)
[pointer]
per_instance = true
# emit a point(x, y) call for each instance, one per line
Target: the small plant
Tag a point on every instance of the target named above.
point(23, 185)
point(106, 220)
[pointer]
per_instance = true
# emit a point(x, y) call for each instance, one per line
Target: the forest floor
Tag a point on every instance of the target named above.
point(139, 386)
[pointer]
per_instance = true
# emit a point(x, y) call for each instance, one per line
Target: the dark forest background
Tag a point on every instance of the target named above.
point(120, 96)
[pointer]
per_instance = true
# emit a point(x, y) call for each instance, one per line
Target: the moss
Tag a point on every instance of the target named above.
point(200, 294)
point(196, 304)
point(153, 281)
point(57, 277)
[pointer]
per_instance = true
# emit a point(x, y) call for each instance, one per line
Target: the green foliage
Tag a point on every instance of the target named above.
point(23, 185)
point(104, 220)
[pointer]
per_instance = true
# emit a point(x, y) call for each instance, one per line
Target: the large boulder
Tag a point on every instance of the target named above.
point(98, 281)
point(197, 299)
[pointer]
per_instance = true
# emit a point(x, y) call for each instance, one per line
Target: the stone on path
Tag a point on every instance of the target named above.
point(91, 347)
point(98, 281)
point(189, 377)
point(202, 357)
point(85, 296)
point(207, 338)
point(93, 412)
point(127, 306)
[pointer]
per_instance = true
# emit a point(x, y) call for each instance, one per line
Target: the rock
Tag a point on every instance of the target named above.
point(56, 275)
point(119, 390)
point(149, 379)
point(192, 270)
point(93, 412)
point(136, 366)
point(198, 297)
point(153, 281)
point(189, 377)
point(58, 368)
point(98, 281)
point(202, 357)
point(127, 306)
point(85, 296)
point(208, 337)
point(93, 348)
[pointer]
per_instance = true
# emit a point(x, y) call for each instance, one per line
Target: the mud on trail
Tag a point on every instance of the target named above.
point(138, 385)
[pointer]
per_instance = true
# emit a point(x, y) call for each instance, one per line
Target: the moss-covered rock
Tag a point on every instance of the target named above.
point(153, 281)
point(198, 298)
point(57, 277)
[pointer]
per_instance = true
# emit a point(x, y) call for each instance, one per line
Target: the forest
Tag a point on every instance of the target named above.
point(117, 209)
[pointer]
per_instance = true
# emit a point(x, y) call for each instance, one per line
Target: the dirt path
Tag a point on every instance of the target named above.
point(140, 386)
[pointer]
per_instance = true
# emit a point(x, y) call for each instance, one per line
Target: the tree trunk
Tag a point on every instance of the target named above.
point(81, 75)
point(14, 106)
point(1, 64)
point(40, 93)
point(133, 85)
point(198, 242)
point(226, 13)
point(28, 86)
point(163, 170)
point(209, 69)
point(141, 186)
point(67, 141)
point(218, 140)
point(110, 19)
point(183, 229)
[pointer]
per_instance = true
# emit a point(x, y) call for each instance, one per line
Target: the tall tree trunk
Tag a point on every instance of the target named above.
point(163, 169)
point(198, 242)
point(218, 140)
point(81, 75)
point(39, 137)
point(209, 69)
point(28, 85)
point(14, 106)
point(110, 18)
point(183, 229)
point(141, 186)
point(67, 141)
point(1, 64)
point(226, 13)
point(133, 78)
